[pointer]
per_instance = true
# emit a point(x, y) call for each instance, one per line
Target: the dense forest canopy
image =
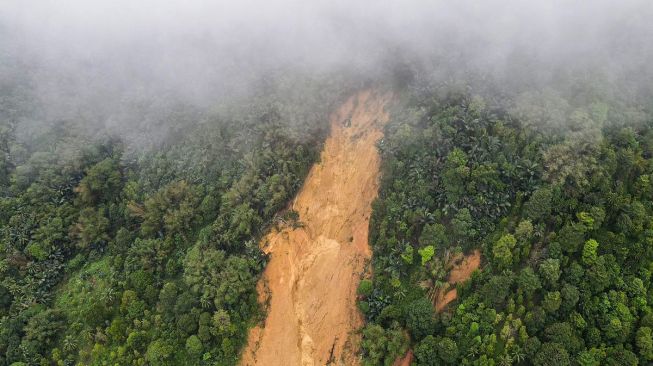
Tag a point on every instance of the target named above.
point(145, 150)
point(120, 255)
point(561, 213)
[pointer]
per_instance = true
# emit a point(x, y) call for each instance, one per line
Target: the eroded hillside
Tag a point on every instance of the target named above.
point(314, 271)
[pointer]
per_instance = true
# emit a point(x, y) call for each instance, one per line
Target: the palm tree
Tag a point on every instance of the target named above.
point(109, 295)
point(400, 293)
point(473, 351)
point(517, 355)
point(505, 360)
point(205, 302)
point(24, 301)
point(69, 344)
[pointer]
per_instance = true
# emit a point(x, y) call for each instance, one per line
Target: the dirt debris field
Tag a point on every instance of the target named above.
point(314, 271)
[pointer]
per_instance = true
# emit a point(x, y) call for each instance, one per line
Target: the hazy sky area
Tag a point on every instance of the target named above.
point(110, 51)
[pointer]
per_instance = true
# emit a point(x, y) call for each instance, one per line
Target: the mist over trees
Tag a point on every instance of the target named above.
point(145, 148)
point(129, 67)
point(561, 215)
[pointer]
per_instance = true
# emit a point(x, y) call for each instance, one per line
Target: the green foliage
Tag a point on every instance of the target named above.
point(131, 255)
point(121, 255)
point(426, 353)
point(365, 287)
point(528, 281)
point(101, 182)
point(91, 228)
point(426, 253)
point(88, 295)
point(42, 331)
point(408, 255)
point(524, 231)
point(538, 206)
point(174, 208)
point(552, 301)
point(419, 318)
point(590, 253)
point(463, 225)
point(534, 181)
point(381, 346)
point(431, 351)
point(571, 237)
point(434, 235)
point(550, 271)
point(159, 352)
point(194, 346)
point(502, 251)
point(644, 342)
point(454, 175)
point(552, 354)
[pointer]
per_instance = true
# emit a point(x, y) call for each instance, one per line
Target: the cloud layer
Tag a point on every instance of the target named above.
point(78, 53)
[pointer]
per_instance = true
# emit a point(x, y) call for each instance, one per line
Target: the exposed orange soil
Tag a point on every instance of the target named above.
point(461, 271)
point(406, 360)
point(314, 271)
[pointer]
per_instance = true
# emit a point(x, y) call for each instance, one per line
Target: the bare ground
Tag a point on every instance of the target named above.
point(405, 360)
point(462, 269)
point(311, 280)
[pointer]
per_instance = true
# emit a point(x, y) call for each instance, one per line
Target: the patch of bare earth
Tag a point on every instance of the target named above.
point(463, 267)
point(406, 360)
point(461, 270)
point(311, 280)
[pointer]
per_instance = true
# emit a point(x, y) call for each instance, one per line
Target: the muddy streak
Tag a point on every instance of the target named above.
point(314, 270)
point(462, 270)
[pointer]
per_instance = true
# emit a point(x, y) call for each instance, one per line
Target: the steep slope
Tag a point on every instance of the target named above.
point(314, 271)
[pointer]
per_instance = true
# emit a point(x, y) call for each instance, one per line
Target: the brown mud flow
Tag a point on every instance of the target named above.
point(314, 271)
